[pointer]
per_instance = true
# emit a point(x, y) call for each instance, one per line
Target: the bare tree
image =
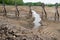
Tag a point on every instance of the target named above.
point(4, 9)
point(17, 11)
point(30, 12)
point(56, 13)
point(44, 12)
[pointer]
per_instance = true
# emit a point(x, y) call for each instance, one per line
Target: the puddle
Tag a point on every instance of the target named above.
point(37, 19)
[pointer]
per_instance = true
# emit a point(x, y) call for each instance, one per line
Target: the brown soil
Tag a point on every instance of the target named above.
point(23, 27)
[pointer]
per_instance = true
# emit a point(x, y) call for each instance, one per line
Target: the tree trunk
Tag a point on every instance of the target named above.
point(4, 9)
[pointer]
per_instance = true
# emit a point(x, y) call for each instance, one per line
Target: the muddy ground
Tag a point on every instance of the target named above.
point(12, 28)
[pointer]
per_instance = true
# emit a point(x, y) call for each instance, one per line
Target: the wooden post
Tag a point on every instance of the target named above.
point(4, 9)
point(56, 13)
point(17, 11)
point(44, 12)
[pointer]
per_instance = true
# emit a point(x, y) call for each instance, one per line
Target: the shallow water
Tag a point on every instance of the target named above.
point(37, 19)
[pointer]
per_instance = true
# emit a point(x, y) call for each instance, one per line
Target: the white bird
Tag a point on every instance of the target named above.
point(37, 19)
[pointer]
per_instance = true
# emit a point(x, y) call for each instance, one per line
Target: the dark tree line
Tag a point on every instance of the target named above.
point(19, 2)
point(12, 2)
